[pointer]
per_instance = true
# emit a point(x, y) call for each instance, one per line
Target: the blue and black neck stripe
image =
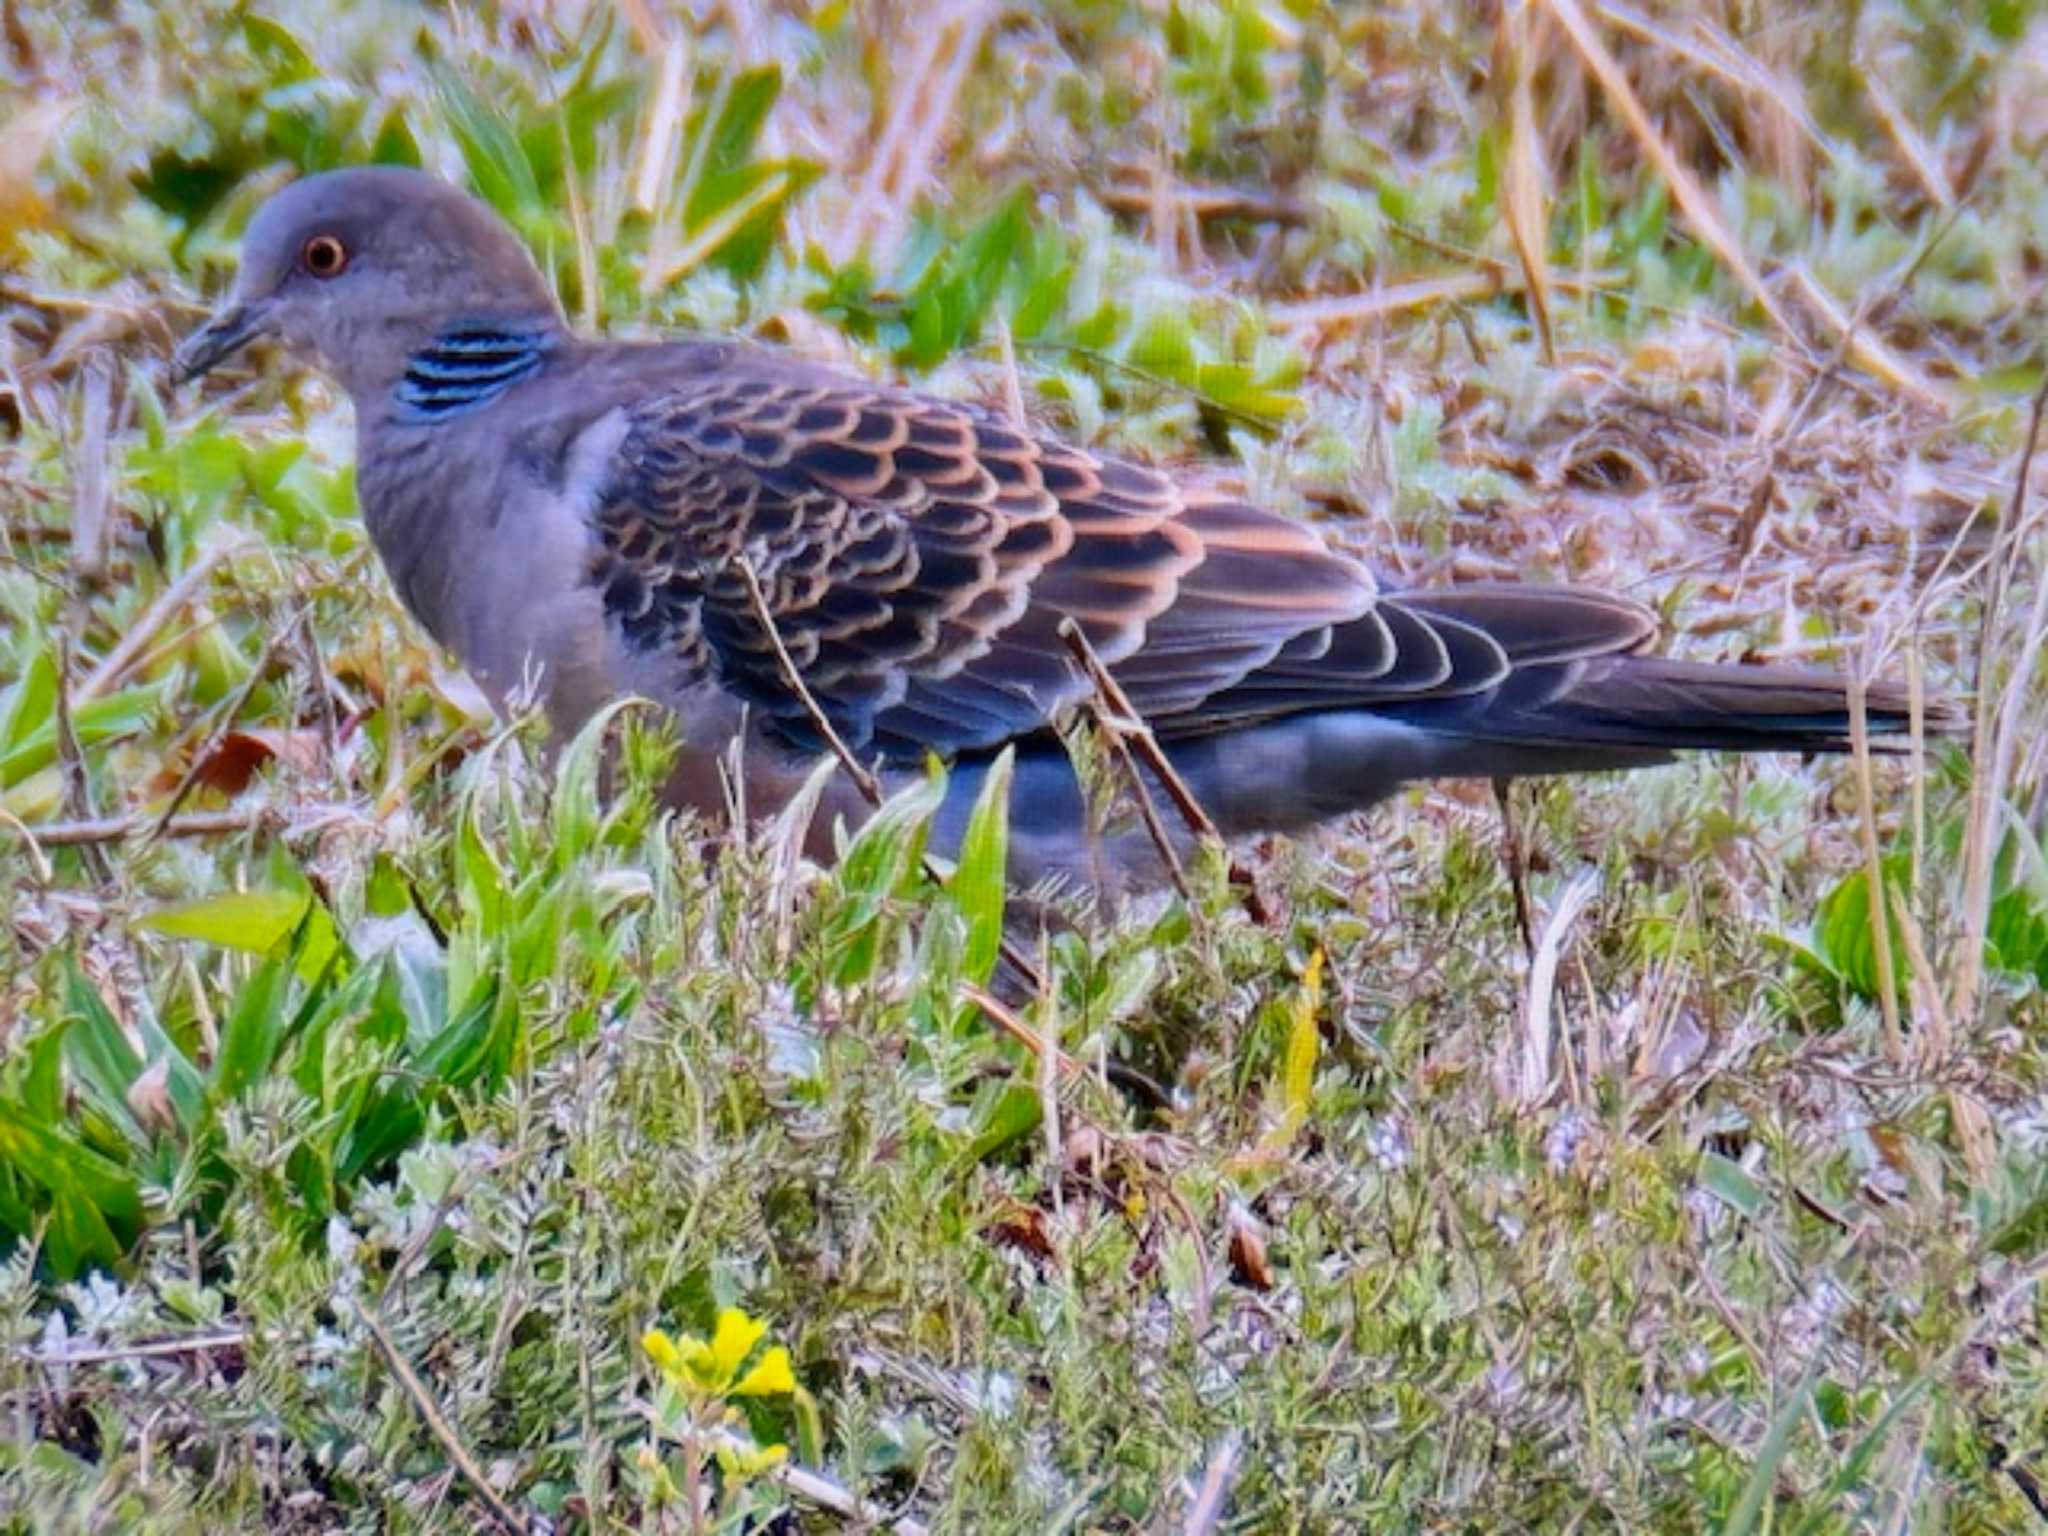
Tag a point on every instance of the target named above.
point(466, 367)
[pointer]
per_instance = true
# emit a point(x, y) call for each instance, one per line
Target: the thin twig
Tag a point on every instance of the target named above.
point(113, 829)
point(228, 716)
point(1992, 746)
point(77, 777)
point(863, 777)
point(1516, 859)
point(147, 1349)
point(437, 1424)
point(115, 664)
point(1126, 722)
point(1207, 1512)
point(1008, 1022)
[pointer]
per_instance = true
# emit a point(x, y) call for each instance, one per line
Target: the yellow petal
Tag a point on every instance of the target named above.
point(740, 1462)
point(734, 1340)
point(771, 1374)
point(661, 1349)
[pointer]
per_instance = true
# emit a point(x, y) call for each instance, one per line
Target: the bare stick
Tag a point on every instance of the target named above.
point(863, 777)
point(1992, 742)
point(228, 717)
point(438, 1425)
point(113, 829)
point(71, 754)
point(1008, 1022)
point(1127, 722)
point(148, 1349)
point(1215, 1491)
point(115, 664)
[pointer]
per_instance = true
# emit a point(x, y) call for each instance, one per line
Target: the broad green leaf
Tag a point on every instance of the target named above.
point(1007, 1111)
point(31, 703)
point(477, 1042)
point(981, 876)
point(576, 814)
point(287, 59)
point(255, 922)
point(256, 1026)
point(100, 1052)
point(1842, 929)
point(498, 167)
point(1724, 1178)
point(90, 1195)
point(95, 721)
point(1770, 1456)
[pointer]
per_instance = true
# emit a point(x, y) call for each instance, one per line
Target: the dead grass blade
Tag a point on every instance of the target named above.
point(659, 147)
point(1686, 190)
point(1419, 293)
point(926, 93)
point(1911, 144)
point(1532, 1084)
point(1999, 725)
point(1870, 354)
point(1522, 195)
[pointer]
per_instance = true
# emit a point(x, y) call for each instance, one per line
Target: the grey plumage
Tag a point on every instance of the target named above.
point(575, 511)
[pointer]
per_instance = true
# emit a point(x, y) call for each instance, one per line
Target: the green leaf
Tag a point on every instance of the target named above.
point(95, 721)
point(255, 1027)
point(255, 922)
point(287, 59)
point(884, 860)
point(1005, 1113)
point(477, 1042)
point(395, 144)
point(577, 815)
point(1826, 1500)
point(1725, 1179)
point(95, 1205)
point(1843, 931)
point(1769, 1457)
point(498, 167)
point(31, 703)
point(100, 1051)
point(980, 880)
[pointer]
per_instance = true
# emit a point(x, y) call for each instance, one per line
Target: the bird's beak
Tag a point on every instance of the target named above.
point(225, 334)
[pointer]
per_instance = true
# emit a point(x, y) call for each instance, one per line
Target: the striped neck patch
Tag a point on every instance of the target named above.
point(464, 368)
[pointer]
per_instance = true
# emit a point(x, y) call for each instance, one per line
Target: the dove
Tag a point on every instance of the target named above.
point(580, 520)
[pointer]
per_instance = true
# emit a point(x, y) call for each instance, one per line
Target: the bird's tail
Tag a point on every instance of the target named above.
point(1614, 709)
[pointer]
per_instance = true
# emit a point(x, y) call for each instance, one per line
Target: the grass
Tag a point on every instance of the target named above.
point(400, 1131)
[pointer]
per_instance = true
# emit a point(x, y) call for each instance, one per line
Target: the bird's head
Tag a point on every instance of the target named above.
point(355, 269)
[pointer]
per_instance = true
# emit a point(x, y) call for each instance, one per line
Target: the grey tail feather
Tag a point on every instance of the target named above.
point(1624, 705)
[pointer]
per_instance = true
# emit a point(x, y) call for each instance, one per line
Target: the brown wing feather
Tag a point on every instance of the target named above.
point(919, 557)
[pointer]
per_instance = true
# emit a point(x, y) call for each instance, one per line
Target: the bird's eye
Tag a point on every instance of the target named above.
point(324, 256)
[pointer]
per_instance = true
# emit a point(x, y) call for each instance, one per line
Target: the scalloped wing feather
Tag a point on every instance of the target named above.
point(919, 556)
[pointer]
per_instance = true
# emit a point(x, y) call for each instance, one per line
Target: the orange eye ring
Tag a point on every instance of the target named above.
point(324, 256)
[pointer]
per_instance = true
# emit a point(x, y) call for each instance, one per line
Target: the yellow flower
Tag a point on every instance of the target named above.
point(661, 1349)
point(731, 1343)
point(740, 1462)
point(771, 1375)
point(712, 1368)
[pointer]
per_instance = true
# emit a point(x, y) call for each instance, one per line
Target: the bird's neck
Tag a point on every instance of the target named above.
point(469, 364)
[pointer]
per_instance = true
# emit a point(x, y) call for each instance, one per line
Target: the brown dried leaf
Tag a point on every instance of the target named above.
point(1248, 1262)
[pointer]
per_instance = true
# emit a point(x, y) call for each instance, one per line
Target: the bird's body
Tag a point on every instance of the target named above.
point(584, 516)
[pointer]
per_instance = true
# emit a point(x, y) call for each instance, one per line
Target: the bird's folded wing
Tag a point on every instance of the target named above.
point(918, 557)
